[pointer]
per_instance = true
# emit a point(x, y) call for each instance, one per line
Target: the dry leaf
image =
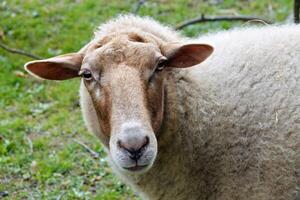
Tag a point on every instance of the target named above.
point(20, 74)
point(2, 35)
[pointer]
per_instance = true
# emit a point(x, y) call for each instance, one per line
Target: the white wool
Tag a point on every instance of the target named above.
point(133, 23)
point(232, 124)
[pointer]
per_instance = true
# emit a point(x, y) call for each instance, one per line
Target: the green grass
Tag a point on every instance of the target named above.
point(39, 120)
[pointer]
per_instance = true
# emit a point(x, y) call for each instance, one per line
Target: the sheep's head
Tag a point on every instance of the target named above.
point(125, 75)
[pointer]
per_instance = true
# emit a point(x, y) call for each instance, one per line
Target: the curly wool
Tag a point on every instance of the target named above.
point(231, 126)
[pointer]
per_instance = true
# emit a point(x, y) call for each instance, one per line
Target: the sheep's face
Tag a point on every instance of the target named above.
point(125, 75)
point(126, 87)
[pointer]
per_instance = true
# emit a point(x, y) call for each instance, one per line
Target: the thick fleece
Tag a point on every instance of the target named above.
point(231, 127)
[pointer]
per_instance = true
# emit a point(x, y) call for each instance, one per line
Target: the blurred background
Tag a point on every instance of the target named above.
point(45, 150)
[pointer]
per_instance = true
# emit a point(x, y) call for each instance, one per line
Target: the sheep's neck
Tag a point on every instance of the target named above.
point(176, 142)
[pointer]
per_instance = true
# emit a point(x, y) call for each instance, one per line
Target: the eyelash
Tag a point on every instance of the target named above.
point(161, 64)
point(86, 74)
point(158, 68)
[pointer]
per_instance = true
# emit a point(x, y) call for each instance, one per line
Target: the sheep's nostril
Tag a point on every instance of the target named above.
point(119, 144)
point(134, 146)
point(145, 143)
point(135, 155)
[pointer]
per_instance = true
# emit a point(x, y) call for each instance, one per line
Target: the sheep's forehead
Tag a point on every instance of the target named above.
point(125, 50)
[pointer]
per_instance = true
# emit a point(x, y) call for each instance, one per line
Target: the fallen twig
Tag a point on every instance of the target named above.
point(218, 18)
point(138, 6)
point(20, 52)
point(93, 153)
point(179, 26)
point(296, 11)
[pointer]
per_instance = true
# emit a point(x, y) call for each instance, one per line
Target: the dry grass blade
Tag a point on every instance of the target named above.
point(20, 52)
point(138, 6)
point(30, 145)
point(93, 153)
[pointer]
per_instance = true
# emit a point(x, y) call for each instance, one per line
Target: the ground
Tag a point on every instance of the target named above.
point(40, 120)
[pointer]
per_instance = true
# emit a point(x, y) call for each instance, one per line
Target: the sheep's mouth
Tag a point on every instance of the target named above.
point(136, 168)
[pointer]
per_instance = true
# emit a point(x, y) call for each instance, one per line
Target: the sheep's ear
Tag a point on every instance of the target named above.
point(57, 68)
point(186, 55)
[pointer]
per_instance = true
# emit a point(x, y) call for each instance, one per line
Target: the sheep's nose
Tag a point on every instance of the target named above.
point(133, 144)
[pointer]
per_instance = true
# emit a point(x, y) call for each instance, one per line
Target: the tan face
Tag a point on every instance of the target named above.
point(125, 76)
point(126, 86)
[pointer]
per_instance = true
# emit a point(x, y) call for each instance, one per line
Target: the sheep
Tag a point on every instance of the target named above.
point(215, 117)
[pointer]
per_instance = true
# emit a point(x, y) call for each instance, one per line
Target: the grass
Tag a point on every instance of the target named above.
point(39, 120)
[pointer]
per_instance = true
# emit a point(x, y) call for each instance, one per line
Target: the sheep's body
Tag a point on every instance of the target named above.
point(231, 126)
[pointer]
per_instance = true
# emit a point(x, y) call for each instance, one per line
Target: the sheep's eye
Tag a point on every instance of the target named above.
point(86, 74)
point(161, 64)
